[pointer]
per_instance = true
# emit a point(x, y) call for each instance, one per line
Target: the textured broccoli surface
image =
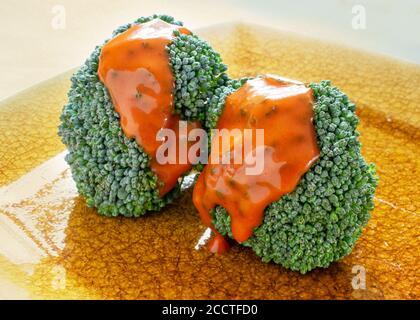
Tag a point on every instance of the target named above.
point(198, 72)
point(320, 221)
point(111, 171)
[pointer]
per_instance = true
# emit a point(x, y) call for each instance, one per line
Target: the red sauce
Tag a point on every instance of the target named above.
point(134, 66)
point(218, 244)
point(283, 108)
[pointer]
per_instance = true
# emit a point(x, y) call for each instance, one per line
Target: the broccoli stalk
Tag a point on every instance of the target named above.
point(320, 221)
point(111, 171)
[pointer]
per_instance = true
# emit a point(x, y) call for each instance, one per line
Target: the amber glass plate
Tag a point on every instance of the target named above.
point(53, 246)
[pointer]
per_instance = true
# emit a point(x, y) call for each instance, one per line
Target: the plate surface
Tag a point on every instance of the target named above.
point(53, 246)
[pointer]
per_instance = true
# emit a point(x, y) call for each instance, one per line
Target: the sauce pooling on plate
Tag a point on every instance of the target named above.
point(134, 67)
point(282, 108)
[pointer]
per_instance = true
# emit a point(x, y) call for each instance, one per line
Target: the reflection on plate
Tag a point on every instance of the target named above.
point(53, 246)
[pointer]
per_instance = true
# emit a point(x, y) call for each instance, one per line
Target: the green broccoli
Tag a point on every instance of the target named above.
point(320, 221)
point(111, 171)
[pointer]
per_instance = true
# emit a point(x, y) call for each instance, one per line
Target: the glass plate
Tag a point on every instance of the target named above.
point(53, 246)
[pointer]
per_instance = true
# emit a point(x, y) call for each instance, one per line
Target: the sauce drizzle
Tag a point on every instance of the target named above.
point(283, 109)
point(134, 67)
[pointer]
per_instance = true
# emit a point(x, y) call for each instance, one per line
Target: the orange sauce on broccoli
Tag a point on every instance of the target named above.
point(134, 67)
point(284, 110)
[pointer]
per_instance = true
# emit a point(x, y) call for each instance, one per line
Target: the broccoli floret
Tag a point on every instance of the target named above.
point(111, 171)
point(320, 221)
point(198, 71)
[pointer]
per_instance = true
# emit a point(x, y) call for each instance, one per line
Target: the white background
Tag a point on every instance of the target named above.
point(31, 50)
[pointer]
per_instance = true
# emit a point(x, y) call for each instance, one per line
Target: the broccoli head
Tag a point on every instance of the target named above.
point(110, 170)
point(320, 221)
